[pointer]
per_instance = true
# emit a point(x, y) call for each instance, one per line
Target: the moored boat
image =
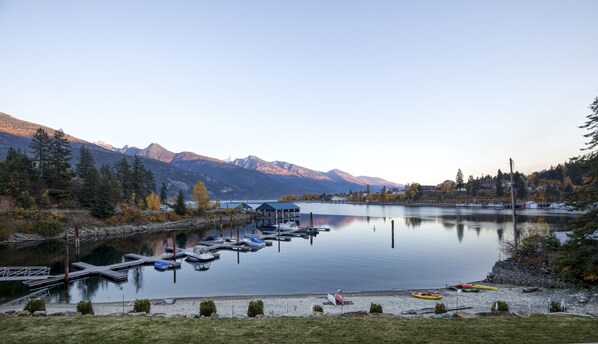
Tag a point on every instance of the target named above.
point(200, 253)
point(211, 240)
point(426, 296)
point(253, 241)
point(339, 299)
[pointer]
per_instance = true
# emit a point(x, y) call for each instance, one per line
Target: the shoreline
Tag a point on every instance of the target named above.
point(578, 301)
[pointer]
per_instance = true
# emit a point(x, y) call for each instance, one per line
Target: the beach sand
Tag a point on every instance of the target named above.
point(578, 301)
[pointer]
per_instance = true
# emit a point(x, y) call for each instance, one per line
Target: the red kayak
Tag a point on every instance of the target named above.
point(464, 286)
point(339, 299)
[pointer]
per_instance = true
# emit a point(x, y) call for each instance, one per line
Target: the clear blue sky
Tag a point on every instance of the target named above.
point(408, 91)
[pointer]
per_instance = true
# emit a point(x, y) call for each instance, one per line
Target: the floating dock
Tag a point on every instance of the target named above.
point(111, 272)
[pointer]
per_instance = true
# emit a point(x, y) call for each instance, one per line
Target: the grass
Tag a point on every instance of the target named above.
point(328, 329)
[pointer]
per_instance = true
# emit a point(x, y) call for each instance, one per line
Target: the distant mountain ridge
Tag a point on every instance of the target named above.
point(250, 177)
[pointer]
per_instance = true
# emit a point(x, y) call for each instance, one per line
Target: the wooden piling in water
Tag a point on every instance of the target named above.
point(311, 220)
point(392, 224)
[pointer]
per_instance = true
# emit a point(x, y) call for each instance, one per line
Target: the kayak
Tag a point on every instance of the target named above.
point(427, 296)
point(483, 287)
point(339, 299)
point(465, 290)
point(464, 285)
point(331, 298)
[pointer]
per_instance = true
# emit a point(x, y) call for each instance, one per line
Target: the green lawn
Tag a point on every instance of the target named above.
point(371, 329)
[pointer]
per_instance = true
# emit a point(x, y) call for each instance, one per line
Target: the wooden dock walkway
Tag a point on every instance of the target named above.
point(111, 272)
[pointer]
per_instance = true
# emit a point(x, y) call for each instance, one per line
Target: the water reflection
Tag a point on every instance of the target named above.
point(423, 257)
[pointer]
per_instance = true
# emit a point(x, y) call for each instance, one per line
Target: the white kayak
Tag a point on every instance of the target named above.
point(331, 298)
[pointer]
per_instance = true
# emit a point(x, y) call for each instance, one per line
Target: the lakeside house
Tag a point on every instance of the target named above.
point(271, 213)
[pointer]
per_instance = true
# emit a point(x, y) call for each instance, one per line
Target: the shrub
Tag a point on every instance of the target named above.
point(255, 307)
point(85, 307)
point(318, 308)
point(556, 306)
point(48, 228)
point(500, 306)
point(374, 308)
point(440, 308)
point(141, 306)
point(207, 308)
point(35, 305)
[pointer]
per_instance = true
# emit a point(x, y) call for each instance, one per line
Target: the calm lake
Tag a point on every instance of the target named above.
point(432, 247)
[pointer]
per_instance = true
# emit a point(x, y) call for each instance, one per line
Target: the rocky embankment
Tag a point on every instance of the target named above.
point(93, 232)
point(509, 271)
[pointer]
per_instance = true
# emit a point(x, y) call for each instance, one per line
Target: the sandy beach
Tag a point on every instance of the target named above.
point(578, 301)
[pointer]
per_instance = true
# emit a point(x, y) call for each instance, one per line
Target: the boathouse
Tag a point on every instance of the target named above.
point(236, 205)
point(271, 213)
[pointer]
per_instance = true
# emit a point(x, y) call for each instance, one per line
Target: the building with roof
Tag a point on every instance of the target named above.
point(271, 213)
point(235, 205)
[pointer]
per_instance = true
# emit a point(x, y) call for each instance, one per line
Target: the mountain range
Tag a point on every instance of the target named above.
point(248, 178)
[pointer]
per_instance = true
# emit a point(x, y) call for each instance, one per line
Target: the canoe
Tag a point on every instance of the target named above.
point(465, 290)
point(331, 298)
point(427, 296)
point(483, 287)
point(339, 299)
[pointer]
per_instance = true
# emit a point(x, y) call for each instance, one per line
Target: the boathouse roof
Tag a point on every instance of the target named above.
point(235, 205)
point(278, 206)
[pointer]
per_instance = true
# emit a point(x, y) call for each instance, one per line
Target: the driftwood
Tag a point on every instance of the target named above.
point(530, 290)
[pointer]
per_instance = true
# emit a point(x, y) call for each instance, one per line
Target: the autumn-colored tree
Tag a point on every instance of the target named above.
point(153, 201)
point(200, 195)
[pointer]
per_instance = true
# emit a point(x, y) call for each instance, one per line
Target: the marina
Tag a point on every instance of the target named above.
point(352, 247)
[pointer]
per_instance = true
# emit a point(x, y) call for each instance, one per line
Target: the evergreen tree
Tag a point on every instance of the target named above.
point(459, 184)
point(500, 191)
point(124, 177)
point(179, 206)
point(86, 162)
point(89, 187)
point(41, 144)
point(579, 258)
point(103, 205)
point(469, 186)
point(16, 175)
point(59, 166)
point(163, 193)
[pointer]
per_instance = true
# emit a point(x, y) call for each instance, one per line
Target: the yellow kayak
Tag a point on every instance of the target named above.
point(484, 287)
point(427, 296)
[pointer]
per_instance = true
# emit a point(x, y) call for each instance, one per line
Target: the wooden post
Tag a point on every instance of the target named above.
point(515, 233)
point(174, 250)
point(66, 265)
point(392, 223)
point(238, 258)
point(77, 243)
point(237, 235)
point(311, 220)
point(311, 239)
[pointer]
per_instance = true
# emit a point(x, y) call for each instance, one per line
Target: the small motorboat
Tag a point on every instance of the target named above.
point(200, 266)
point(253, 241)
point(163, 266)
point(211, 240)
point(483, 287)
point(426, 296)
point(288, 226)
point(200, 253)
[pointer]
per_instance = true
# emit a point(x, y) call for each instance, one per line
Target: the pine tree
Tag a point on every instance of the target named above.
point(500, 191)
point(59, 165)
point(103, 205)
point(459, 184)
point(86, 162)
point(163, 193)
point(124, 177)
point(179, 206)
point(579, 258)
point(89, 187)
point(41, 144)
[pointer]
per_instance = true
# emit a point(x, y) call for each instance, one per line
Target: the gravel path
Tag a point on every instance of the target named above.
point(394, 302)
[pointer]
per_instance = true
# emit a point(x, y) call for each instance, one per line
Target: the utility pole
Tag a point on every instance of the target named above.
point(515, 233)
